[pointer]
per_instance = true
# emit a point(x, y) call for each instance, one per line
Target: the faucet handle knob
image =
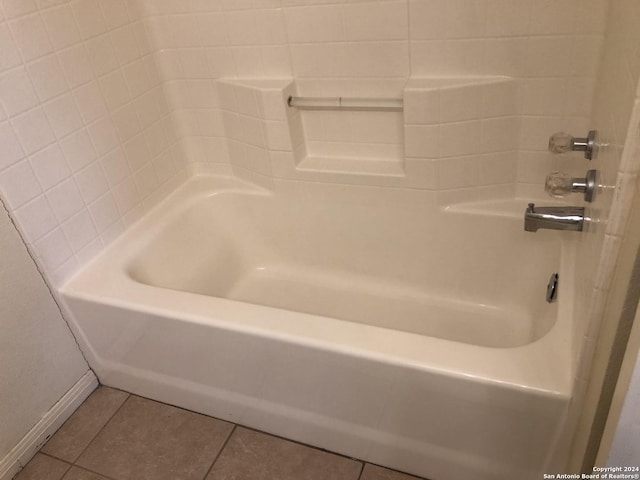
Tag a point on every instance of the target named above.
point(558, 184)
point(560, 142)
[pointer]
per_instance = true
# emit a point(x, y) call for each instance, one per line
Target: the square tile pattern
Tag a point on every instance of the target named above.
point(118, 436)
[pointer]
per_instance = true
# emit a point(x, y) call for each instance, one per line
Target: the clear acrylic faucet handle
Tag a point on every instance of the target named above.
point(560, 142)
point(558, 184)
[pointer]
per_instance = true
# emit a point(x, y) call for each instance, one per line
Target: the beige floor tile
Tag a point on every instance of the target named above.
point(147, 440)
point(82, 427)
point(373, 472)
point(80, 474)
point(251, 455)
point(42, 467)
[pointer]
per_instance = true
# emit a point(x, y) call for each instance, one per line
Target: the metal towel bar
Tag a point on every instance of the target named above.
point(346, 103)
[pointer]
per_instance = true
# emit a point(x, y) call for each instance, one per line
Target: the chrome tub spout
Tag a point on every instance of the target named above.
point(553, 218)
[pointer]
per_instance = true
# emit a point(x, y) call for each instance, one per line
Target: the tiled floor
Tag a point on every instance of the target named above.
point(118, 436)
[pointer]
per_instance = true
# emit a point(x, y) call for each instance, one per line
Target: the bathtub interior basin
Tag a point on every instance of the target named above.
point(381, 258)
point(365, 320)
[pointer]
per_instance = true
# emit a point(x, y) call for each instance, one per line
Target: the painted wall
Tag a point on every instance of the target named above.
point(87, 144)
point(39, 359)
point(625, 449)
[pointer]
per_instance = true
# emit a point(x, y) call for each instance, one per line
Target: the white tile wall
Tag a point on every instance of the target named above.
point(352, 129)
point(617, 117)
point(554, 56)
point(472, 141)
point(254, 122)
point(77, 80)
point(90, 77)
point(342, 145)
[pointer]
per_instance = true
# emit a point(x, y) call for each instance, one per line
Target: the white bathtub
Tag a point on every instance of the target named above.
point(364, 320)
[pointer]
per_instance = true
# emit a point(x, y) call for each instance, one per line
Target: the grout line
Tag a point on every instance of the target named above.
point(101, 429)
point(409, 41)
point(221, 450)
point(92, 471)
point(69, 466)
point(72, 465)
point(292, 72)
point(54, 457)
point(361, 470)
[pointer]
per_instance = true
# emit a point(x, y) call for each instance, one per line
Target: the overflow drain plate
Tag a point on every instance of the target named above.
point(552, 288)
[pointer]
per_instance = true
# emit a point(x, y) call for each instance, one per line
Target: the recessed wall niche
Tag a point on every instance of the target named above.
point(450, 134)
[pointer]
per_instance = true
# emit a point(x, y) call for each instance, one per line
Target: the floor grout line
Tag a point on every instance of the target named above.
point(224, 445)
point(106, 477)
point(103, 427)
point(55, 458)
point(73, 463)
point(361, 470)
point(69, 465)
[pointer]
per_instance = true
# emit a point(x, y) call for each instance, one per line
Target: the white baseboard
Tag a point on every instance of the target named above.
point(26, 448)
